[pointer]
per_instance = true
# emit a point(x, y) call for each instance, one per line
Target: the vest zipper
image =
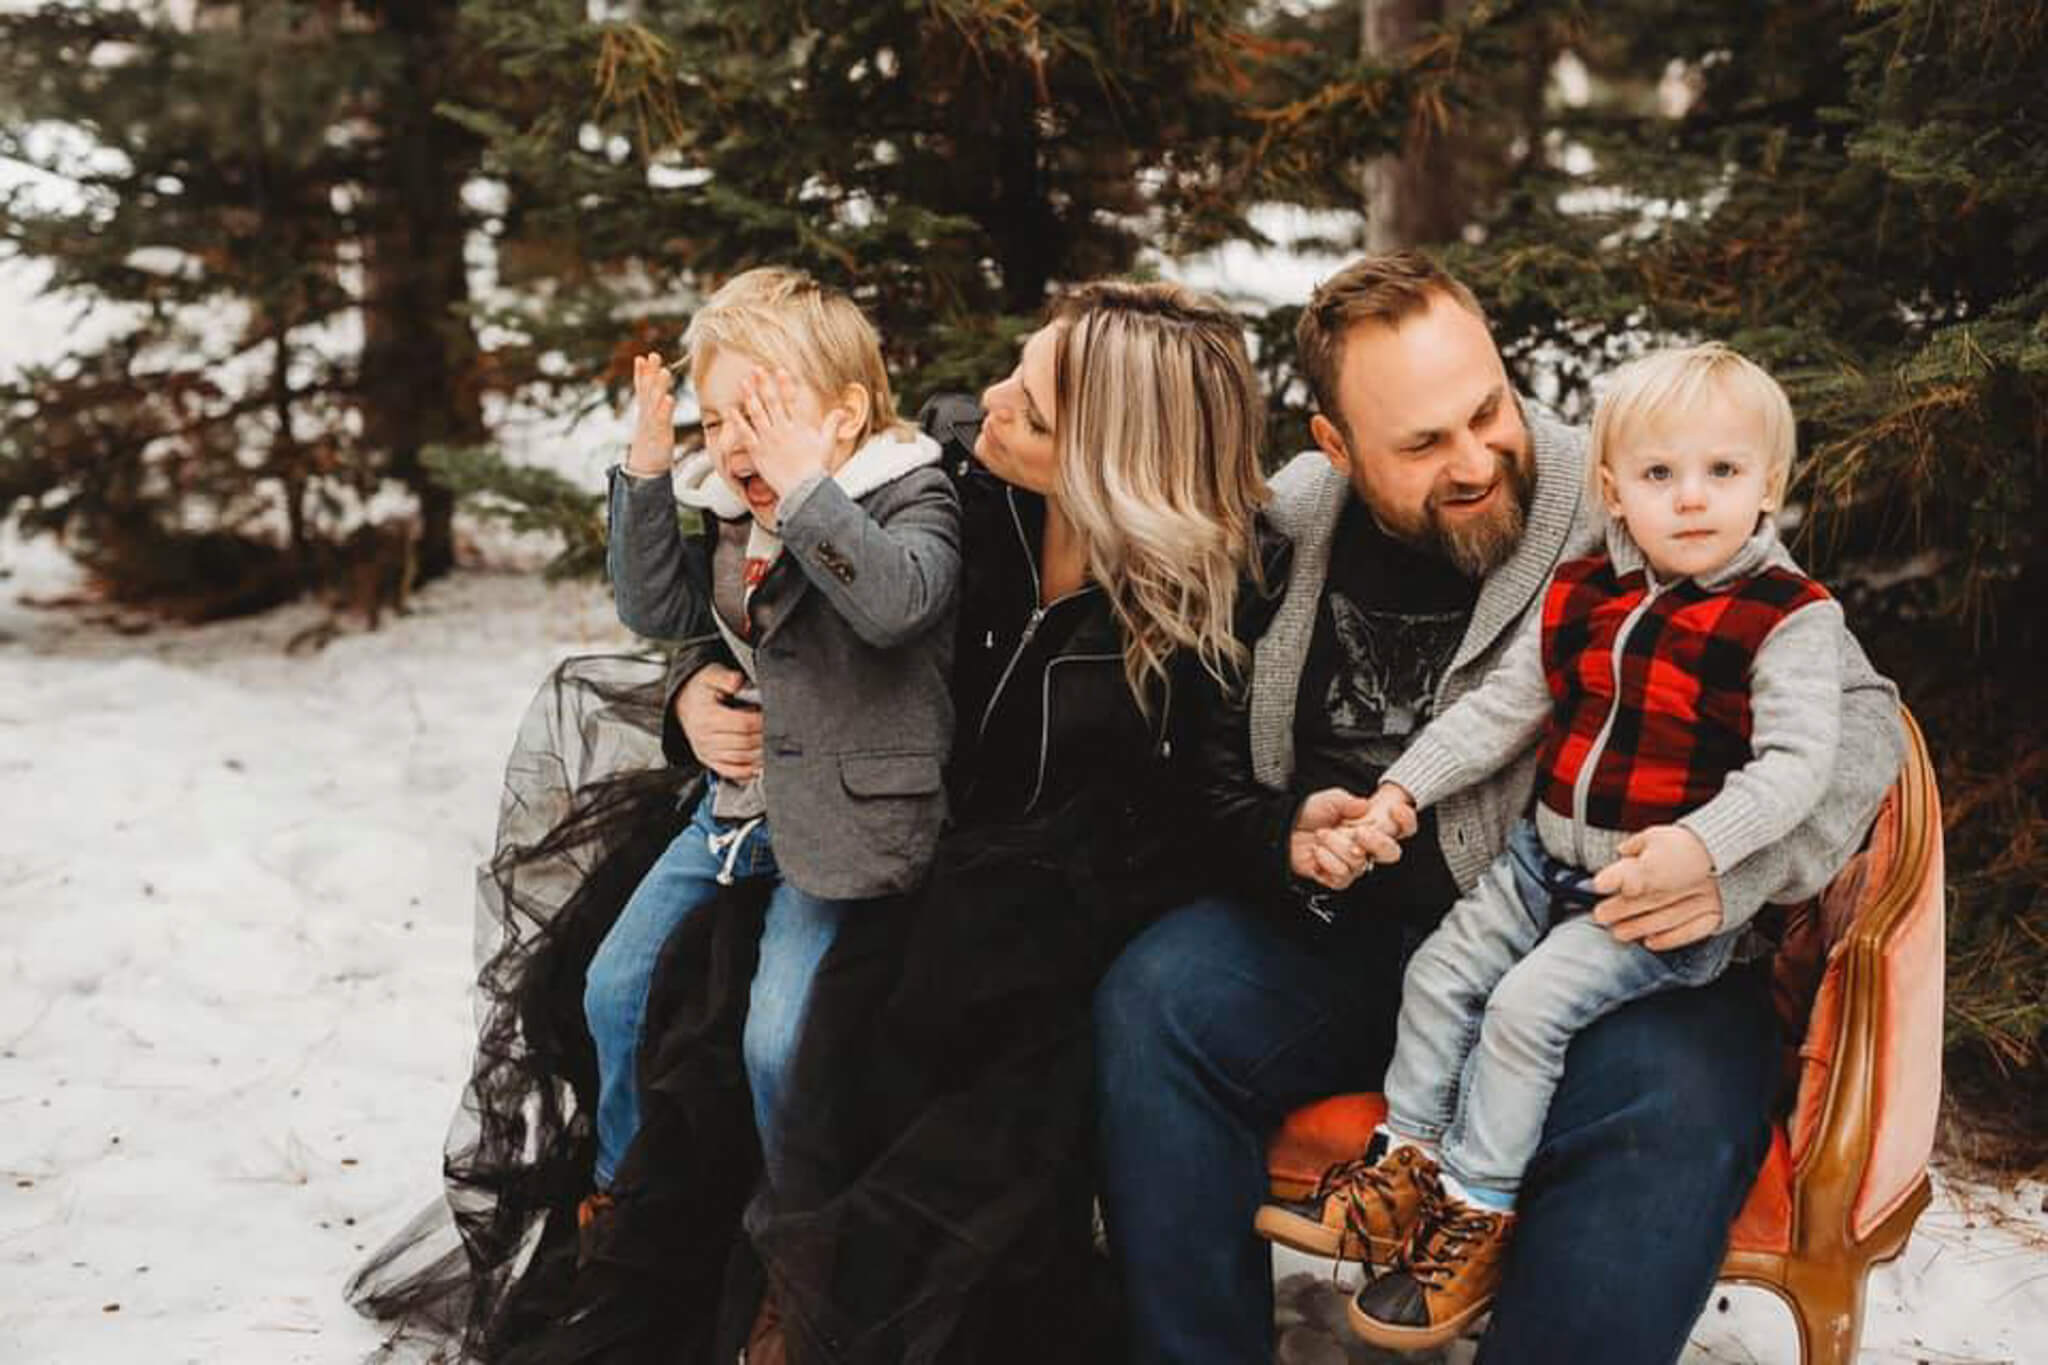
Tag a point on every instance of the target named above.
point(1582, 785)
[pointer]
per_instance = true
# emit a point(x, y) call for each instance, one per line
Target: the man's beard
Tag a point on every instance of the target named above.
point(1477, 545)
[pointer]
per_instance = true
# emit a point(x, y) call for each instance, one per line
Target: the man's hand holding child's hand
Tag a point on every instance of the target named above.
point(786, 448)
point(1390, 810)
point(1338, 837)
point(1661, 890)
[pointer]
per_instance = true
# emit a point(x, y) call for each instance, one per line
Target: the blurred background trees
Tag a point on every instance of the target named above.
point(351, 236)
point(267, 193)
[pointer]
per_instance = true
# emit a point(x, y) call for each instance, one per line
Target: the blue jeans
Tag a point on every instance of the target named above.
point(1493, 998)
point(1214, 1023)
point(798, 930)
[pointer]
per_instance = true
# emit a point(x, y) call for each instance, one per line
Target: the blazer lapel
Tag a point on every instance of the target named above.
point(780, 591)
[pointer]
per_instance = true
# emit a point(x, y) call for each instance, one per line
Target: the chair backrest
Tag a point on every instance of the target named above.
point(1870, 1064)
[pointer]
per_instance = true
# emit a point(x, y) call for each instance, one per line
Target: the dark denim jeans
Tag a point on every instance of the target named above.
point(798, 929)
point(1214, 1023)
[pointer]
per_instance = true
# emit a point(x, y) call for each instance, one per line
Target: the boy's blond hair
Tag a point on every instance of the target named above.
point(1676, 381)
point(786, 320)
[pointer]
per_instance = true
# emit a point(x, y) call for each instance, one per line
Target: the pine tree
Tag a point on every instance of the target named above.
point(1854, 194)
point(258, 187)
point(948, 163)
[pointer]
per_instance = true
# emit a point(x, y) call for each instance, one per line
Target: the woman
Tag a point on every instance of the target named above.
point(939, 1186)
point(936, 1181)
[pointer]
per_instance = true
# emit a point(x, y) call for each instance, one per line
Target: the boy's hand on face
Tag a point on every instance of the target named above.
point(1660, 891)
point(786, 449)
point(654, 424)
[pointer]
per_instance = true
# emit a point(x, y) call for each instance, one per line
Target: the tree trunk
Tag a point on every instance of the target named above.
point(420, 373)
point(1413, 198)
point(1026, 231)
point(288, 459)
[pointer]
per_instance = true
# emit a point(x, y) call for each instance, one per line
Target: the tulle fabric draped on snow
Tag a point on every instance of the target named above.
point(588, 805)
point(937, 1189)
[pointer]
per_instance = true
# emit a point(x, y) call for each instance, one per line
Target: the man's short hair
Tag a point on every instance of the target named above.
point(1389, 288)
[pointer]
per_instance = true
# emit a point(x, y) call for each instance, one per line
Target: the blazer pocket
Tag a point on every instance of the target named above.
point(889, 774)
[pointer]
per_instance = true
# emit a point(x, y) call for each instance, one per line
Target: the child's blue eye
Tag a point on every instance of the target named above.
point(1724, 470)
point(1657, 473)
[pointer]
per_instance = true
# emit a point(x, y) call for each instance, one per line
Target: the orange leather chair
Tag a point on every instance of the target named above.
point(1846, 1174)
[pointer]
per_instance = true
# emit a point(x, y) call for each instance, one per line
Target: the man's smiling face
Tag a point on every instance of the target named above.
point(1431, 436)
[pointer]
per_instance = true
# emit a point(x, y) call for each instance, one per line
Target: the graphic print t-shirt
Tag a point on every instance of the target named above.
point(1387, 627)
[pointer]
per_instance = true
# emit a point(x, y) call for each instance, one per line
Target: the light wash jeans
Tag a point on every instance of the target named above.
point(798, 930)
point(1495, 995)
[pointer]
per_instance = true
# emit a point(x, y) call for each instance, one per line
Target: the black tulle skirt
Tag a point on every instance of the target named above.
point(937, 1199)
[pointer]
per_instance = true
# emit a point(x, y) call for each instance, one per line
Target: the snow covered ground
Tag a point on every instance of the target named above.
point(234, 958)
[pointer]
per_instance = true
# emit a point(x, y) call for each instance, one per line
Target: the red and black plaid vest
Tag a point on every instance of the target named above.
point(1681, 716)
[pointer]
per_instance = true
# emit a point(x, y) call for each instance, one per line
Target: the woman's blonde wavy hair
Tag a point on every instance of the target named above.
point(1156, 431)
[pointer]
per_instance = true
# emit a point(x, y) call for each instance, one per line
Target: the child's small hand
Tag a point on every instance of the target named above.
point(654, 425)
point(1325, 846)
point(1661, 861)
point(1391, 811)
point(786, 449)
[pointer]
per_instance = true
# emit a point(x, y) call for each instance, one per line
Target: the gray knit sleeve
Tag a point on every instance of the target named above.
point(1486, 729)
point(1795, 705)
point(1867, 758)
point(659, 582)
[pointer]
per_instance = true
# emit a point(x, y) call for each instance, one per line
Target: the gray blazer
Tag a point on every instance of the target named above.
point(853, 646)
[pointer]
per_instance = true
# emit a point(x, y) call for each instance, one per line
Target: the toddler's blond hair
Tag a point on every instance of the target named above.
point(786, 320)
point(1677, 380)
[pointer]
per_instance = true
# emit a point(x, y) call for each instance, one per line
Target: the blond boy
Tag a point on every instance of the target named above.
point(827, 566)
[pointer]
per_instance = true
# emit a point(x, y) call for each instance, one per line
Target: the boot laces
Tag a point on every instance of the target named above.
point(1446, 1231)
point(1361, 1181)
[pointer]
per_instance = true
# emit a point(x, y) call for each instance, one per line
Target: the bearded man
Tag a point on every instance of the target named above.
point(1424, 526)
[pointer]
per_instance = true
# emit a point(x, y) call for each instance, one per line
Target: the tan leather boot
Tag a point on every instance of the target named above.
point(1445, 1279)
point(1359, 1210)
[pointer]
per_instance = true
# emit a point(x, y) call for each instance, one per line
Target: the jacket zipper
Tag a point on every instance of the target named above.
point(1582, 785)
point(1038, 612)
point(1038, 615)
point(1045, 715)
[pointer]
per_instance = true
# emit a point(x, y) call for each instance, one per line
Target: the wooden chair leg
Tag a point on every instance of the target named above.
point(1827, 1304)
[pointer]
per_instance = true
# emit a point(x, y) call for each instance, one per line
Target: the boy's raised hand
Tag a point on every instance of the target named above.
point(786, 448)
point(654, 422)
